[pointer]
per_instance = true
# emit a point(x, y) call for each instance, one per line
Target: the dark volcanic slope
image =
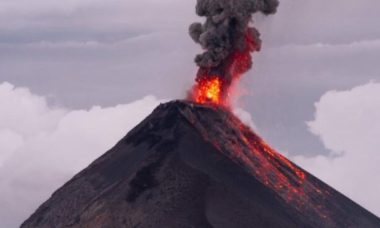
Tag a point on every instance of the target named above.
point(189, 165)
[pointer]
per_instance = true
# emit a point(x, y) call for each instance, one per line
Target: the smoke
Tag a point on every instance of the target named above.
point(227, 37)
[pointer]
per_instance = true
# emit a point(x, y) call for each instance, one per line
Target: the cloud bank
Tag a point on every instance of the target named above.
point(41, 146)
point(348, 123)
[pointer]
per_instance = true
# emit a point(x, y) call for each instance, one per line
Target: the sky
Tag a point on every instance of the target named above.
point(72, 70)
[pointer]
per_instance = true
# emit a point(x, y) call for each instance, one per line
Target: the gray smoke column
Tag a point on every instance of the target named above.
point(227, 37)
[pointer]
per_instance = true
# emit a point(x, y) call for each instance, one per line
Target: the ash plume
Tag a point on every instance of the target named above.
point(227, 37)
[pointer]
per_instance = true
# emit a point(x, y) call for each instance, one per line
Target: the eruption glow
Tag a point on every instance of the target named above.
point(208, 90)
point(228, 41)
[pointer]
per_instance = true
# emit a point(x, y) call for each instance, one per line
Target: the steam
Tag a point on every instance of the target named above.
point(227, 38)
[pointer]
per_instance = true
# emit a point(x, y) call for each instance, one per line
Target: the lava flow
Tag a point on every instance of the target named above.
point(269, 167)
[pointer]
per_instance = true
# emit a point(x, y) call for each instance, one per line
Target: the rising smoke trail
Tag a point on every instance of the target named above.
point(227, 38)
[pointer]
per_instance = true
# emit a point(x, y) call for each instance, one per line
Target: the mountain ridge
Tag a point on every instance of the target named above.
point(190, 165)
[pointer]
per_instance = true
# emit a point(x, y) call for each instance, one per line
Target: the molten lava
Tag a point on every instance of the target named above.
point(208, 90)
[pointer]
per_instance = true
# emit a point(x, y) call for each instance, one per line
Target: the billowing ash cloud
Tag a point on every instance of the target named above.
point(226, 36)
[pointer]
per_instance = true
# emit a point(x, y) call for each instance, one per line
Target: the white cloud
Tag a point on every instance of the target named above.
point(348, 123)
point(41, 147)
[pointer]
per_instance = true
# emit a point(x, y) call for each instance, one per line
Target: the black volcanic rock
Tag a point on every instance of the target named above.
point(189, 165)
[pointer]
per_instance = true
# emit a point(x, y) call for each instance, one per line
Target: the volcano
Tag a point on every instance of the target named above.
point(192, 165)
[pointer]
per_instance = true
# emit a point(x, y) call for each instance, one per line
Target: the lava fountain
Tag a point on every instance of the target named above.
point(229, 41)
point(208, 90)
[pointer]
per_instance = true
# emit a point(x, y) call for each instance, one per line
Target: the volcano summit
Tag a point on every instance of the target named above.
point(191, 165)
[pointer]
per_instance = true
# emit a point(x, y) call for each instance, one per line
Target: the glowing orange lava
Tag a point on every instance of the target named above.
point(209, 90)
